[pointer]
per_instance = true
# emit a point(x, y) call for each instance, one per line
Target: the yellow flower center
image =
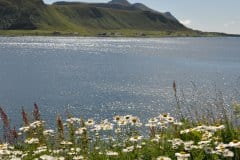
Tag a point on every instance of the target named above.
point(235, 141)
point(165, 115)
point(134, 120)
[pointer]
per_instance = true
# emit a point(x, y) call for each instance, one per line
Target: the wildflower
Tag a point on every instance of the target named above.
point(178, 123)
point(17, 153)
point(128, 149)
point(66, 143)
point(138, 146)
point(207, 135)
point(96, 128)
point(164, 116)
point(176, 142)
point(25, 117)
point(235, 144)
point(78, 149)
point(163, 158)
point(221, 147)
point(153, 120)
point(36, 112)
point(36, 124)
point(155, 140)
point(49, 132)
point(97, 148)
point(47, 157)
point(4, 146)
point(32, 141)
point(73, 120)
point(122, 122)
point(158, 136)
point(162, 122)
point(40, 149)
point(5, 152)
point(182, 156)
point(185, 131)
point(81, 131)
point(135, 138)
point(170, 119)
point(78, 157)
point(71, 153)
point(15, 158)
point(60, 128)
point(188, 145)
point(127, 118)
point(135, 121)
point(90, 122)
point(57, 151)
point(204, 143)
point(228, 153)
point(220, 127)
point(106, 125)
point(208, 150)
point(118, 130)
point(24, 129)
point(222, 150)
point(215, 128)
point(201, 128)
point(150, 125)
point(111, 153)
point(117, 118)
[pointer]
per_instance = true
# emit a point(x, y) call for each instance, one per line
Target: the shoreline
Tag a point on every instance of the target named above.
point(114, 34)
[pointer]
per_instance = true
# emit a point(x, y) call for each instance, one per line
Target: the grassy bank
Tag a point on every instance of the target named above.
point(108, 33)
point(123, 138)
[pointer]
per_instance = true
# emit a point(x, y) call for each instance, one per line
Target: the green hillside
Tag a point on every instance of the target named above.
point(22, 14)
point(30, 17)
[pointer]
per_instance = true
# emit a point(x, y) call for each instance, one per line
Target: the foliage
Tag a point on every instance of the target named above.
point(123, 137)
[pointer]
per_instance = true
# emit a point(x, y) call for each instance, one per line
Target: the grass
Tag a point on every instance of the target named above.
point(104, 33)
point(162, 137)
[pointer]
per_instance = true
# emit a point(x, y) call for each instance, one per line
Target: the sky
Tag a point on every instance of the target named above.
point(204, 15)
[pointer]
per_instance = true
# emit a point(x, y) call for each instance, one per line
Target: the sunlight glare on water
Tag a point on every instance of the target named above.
point(102, 77)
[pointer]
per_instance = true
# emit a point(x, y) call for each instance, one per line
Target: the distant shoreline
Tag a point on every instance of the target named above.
point(115, 34)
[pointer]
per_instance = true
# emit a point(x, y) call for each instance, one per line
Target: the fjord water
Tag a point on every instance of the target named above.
point(102, 77)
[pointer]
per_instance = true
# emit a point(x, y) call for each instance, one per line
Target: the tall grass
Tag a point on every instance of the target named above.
point(205, 137)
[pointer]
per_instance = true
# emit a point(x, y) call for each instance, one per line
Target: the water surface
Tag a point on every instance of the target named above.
point(102, 77)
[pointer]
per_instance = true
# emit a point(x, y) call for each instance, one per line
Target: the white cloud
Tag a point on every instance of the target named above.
point(186, 22)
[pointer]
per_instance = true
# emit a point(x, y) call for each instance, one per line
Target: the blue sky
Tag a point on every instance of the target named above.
point(205, 15)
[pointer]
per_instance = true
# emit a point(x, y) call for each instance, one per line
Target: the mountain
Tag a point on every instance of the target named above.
point(117, 17)
point(143, 7)
point(170, 16)
point(117, 14)
point(120, 2)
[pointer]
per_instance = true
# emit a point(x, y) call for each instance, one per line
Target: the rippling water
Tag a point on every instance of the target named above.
point(101, 77)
